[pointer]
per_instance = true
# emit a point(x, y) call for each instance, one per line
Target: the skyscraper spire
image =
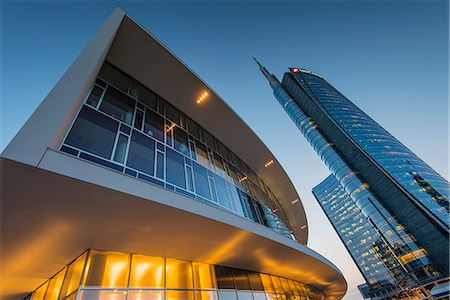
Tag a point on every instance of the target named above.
point(271, 78)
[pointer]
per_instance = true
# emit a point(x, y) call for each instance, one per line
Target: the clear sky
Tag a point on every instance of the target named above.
point(389, 57)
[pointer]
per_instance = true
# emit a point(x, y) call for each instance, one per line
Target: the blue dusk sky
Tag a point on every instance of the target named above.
point(389, 57)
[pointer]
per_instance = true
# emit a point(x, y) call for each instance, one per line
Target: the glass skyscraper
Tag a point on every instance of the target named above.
point(390, 208)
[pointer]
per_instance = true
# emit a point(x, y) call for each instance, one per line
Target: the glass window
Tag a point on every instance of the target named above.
point(73, 276)
point(121, 148)
point(54, 285)
point(118, 105)
point(193, 128)
point(227, 295)
point(285, 285)
point(222, 192)
point(255, 281)
point(93, 132)
point(173, 114)
point(103, 294)
point(209, 139)
point(260, 296)
point(160, 164)
point(40, 292)
point(206, 295)
point(241, 280)
point(148, 98)
point(147, 271)
point(204, 276)
point(244, 295)
point(114, 76)
point(201, 181)
point(224, 277)
point(190, 179)
point(179, 295)
point(178, 274)
point(107, 269)
point(145, 295)
point(95, 95)
point(180, 140)
point(141, 155)
point(267, 283)
point(154, 125)
point(292, 286)
point(138, 120)
point(133, 90)
point(277, 284)
point(202, 155)
point(175, 168)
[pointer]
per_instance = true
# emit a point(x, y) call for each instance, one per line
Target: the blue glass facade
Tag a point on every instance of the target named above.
point(389, 256)
point(126, 127)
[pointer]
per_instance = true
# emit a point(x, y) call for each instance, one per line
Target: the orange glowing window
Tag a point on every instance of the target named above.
point(73, 276)
point(204, 276)
point(147, 271)
point(107, 269)
point(178, 274)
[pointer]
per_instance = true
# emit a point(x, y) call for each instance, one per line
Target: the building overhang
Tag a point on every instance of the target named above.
point(47, 219)
point(138, 53)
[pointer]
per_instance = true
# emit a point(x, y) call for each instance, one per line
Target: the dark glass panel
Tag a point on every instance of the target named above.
point(193, 128)
point(121, 149)
point(93, 132)
point(161, 104)
point(255, 281)
point(201, 181)
point(148, 98)
point(94, 97)
point(209, 139)
point(154, 125)
point(117, 104)
point(138, 120)
point(112, 75)
point(159, 165)
point(141, 155)
point(241, 279)
point(180, 140)
point(175, 168)
point(172, 113)
point(224, 277)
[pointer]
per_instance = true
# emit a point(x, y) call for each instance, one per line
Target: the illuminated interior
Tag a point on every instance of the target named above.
point(109, 275)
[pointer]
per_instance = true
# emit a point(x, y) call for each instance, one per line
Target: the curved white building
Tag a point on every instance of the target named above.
point(134, 180)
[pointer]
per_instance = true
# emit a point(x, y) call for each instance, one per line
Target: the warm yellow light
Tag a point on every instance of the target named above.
point(170, 128)
point(268, 163)
point(243, 178)
point(295, 201)
point(304, 226)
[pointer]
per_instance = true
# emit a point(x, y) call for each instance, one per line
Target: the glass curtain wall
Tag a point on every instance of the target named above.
point(107, 275)
point(128, 128)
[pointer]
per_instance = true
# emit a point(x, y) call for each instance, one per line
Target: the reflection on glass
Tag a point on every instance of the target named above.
point(227, 295)
point(179, 295)
point(206, 295)
point(93, 132)
point(204, 276)
point(180, 140)
point(141, 154)
point(277, 284)
point(178, 274)
point(73, 276)
point(224, 277)
point(241, 279)
point(107, 269)
point(244, 295)
point(103, 295)
point(54, 285)
point(94, 97)
point(175, 168)
point(145, 295)
point(267, 283)
point(147, 271)
point(118, 105)
point(259, 296)
point(40, 292)
point(114, 76)
point(154, 125)
point(255, 281)
point(121, 148)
